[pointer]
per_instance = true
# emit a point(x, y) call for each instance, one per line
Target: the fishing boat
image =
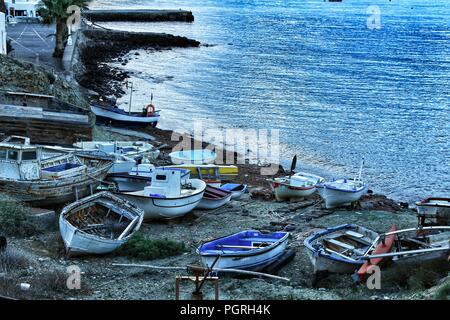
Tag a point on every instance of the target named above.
point(148, 117)
point(339, 249)
point(296, 187)
point(167, 197)
point(98, 224)
point(411, 246)
point(137, 150)
point(236, 189)
point(139, 177)
point(27, 176)
point(203, 156)
point(437, 209)
point(343, 192)
point(214, 198)
point(246, 250)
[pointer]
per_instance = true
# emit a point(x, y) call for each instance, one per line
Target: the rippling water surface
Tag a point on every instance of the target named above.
point(335, 89)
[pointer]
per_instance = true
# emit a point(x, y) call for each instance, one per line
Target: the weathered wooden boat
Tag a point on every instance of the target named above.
point(339, 249)
point(148, 117)
point(214, 198)
point(203, 156)
point(137, 150)
point(434, 208)
point(139, 177)
point(167, 197)
point(246, 250)
point(28, 177)
point(411, 246)
point(236, 189)
point(342, 192)
point(295, 187)
point(98, 224)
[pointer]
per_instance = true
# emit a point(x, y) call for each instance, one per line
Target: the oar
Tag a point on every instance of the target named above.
point(293, 165)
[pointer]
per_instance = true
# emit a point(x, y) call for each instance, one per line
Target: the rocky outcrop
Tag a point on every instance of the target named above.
point(21, 76)
point(98, 47)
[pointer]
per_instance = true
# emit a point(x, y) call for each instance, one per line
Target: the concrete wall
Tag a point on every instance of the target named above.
point(2, 33)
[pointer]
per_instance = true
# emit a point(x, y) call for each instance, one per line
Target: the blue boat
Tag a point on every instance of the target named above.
point(339, 249)
point(237, 190)
point(246, 250)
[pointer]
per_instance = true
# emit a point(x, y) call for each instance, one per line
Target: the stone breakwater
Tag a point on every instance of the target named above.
point(98, 47)
point(139, 15)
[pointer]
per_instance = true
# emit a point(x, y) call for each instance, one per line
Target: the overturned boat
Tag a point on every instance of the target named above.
point(30, 177)
point(197, 157)
point(339, 249)
point(167, 196)
point(246, 250)
point(214, 198)
point(98, 224)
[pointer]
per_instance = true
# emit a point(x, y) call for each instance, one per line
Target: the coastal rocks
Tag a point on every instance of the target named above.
point(23, 76)
point(262, 194)
point(99, 47)
point(379, 202)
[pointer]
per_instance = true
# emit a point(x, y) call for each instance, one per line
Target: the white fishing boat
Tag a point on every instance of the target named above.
point(214, 198)
point(98, 224)
point(339, 249)
point(296, 187)
point(343, 192)
point(204, 156)
point(28, 176)
point(435, 208)
point(137, 150)
point(167, 197)
point(246, 250)
point(139, 177)
point(148, 117)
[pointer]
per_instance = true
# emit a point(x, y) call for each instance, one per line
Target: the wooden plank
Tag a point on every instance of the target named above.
point(27, 94)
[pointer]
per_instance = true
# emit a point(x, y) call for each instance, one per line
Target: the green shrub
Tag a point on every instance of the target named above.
point(141, 247)
point(443, 293)
point(13, 219)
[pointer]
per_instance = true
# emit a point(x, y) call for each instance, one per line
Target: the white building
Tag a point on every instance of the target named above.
point(22, 8)
point(2, 33)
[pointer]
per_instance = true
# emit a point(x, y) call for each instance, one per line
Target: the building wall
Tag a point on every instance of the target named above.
point(2, 33)
point(22, 7)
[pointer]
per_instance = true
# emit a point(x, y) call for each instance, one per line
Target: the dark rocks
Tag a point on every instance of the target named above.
point(379, 202)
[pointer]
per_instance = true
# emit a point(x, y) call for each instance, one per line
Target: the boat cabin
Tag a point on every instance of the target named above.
point(18, 159)
point(165, 184)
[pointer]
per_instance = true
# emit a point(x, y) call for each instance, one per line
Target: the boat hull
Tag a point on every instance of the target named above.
point(336, 198)
point(211, 204)
point(255, 259)
point(105, 115)
point(164, 208)
point(57, 191)
point(284, 192)
point(78, 242)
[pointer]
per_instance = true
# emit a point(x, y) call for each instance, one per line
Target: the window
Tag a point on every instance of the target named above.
point(29, 155)
point(2, 154)
point(13, 155)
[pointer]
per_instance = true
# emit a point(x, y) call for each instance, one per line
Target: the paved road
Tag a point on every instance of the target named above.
point(35, 43)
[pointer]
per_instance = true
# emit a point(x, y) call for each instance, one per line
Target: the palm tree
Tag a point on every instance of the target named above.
point(55, 11)
point(3, 7)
